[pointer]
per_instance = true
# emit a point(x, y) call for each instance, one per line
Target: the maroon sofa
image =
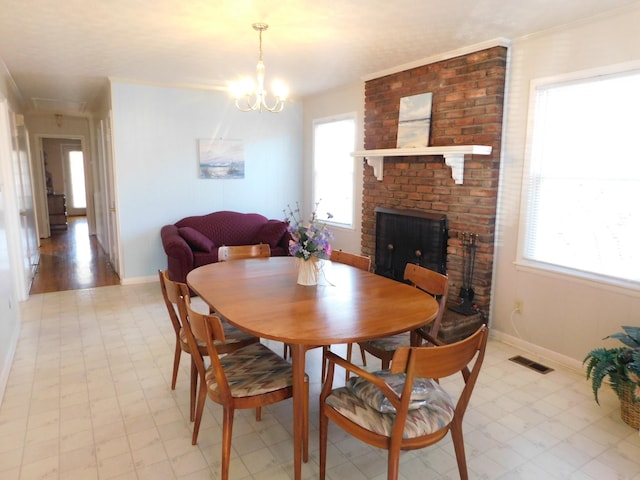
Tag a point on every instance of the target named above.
point(194, 241)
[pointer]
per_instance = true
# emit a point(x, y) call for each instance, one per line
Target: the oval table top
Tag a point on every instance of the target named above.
point(261, 296)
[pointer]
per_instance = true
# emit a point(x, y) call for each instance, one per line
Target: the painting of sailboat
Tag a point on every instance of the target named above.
point(220, 159)
point(414, 121)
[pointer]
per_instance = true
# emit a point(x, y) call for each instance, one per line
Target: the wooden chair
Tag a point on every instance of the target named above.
point(358, 261)
point(237, 252)
point(250, 377)
point(363, 263)
point(375, 408)
point(172, 292)
point(433, 283)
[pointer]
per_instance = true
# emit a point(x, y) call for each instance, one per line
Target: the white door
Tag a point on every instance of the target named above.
point(28, 230)
point(112, 214)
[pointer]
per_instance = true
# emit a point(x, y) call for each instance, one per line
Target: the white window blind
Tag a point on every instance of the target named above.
point(333, 142)
point(583, 181)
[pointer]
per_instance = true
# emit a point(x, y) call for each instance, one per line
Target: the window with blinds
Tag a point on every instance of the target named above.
point(582, 181)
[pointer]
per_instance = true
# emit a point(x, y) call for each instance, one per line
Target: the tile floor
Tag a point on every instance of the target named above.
point(88, 397)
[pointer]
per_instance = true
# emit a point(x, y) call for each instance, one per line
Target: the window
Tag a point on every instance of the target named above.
point(333, 165)
point(582, 184)
point(76, 168)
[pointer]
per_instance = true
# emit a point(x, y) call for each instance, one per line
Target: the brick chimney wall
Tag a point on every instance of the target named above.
point(467, 109)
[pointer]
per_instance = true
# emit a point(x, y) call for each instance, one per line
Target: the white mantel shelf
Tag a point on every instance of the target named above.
point(453, 157)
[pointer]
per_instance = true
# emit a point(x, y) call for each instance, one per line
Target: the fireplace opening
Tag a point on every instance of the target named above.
point(410, 237)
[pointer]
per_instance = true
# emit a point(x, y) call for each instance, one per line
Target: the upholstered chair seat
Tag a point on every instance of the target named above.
point(431, 414)
point(252, 370)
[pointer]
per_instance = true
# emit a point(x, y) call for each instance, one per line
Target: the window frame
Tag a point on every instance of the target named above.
point(538, 266)
point(333, 119)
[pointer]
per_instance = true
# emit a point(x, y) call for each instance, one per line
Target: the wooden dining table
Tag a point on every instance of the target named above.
point(348, 305)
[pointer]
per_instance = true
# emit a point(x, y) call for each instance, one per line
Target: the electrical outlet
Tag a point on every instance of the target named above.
point(517, 305)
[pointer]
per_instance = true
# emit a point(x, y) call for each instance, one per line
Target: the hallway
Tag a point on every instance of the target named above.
point(72, 260)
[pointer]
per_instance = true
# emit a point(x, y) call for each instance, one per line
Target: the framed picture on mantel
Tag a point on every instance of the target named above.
point(414, 121)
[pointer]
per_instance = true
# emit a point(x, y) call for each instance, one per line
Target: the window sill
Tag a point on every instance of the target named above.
point(593, 280)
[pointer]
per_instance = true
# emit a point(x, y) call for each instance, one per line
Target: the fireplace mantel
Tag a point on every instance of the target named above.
point(453, 157)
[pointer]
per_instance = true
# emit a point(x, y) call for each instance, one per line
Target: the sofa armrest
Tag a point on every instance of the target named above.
point(179, 253)
point(284, 242)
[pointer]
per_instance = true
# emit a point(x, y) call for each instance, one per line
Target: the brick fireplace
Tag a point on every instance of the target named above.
point(467, 109)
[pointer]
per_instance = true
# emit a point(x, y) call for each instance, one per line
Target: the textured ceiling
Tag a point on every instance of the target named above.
point(60, 53)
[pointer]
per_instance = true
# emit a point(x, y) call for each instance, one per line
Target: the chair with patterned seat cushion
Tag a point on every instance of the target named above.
point(234, 339)
point(363, 263)
point(228, 253)
point(404, 408)
point(429, 281)
point(358, 261)
point(250, 377)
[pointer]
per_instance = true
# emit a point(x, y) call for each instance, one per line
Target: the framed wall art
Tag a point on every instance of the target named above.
point(414, 121)
point(220, 159)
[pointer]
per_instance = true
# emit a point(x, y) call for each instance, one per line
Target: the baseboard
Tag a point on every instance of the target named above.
point(8, 361)
point(138, 280)
point(543, 353)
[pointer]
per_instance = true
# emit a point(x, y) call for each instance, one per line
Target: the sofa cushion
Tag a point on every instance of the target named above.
point(196, 240)
point(226, 227)
point(270, 232)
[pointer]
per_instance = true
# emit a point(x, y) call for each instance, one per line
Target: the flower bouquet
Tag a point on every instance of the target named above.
point(310, 242)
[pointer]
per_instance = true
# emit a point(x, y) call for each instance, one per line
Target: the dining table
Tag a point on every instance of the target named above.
point(348, 305)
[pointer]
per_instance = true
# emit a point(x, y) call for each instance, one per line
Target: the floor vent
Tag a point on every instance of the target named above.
point(538, 367)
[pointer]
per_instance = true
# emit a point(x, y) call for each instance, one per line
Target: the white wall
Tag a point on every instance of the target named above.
point(155, 153)
point(9, 232)
point(346, 100)
point(562, 316)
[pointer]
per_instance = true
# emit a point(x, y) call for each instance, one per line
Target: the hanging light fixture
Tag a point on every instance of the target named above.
point(250, 95)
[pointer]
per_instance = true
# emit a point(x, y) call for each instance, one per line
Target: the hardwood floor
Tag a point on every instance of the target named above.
point(71, 260)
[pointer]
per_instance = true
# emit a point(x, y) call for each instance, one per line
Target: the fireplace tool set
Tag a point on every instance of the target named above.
point(469, 247)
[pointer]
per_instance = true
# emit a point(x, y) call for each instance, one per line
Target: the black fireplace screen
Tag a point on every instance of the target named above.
point(410, 237)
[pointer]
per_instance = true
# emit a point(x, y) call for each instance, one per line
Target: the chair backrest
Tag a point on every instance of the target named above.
point(435, 284)
point(443, 361)
point(171, 293)
point(358, 261)
point(236, 252)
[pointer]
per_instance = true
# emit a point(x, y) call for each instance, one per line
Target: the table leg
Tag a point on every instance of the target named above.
point(299, 411)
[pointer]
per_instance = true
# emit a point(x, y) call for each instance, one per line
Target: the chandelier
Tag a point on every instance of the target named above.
point(250, 95)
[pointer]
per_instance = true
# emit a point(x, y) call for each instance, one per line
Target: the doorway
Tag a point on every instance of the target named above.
point(63, 163)
point(70, 255)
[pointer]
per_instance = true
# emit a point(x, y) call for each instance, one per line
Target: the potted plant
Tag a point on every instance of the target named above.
point(622, 366)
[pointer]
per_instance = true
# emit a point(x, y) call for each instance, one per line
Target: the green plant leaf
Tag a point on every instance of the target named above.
point(602, 363)
point(631, 337)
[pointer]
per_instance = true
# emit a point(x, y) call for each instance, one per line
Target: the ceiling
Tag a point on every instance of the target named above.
point(60, 54)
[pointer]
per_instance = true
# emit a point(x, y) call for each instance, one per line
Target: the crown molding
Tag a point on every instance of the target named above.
point(496, 42)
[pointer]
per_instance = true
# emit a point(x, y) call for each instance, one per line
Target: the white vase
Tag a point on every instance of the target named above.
point(308, 271)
